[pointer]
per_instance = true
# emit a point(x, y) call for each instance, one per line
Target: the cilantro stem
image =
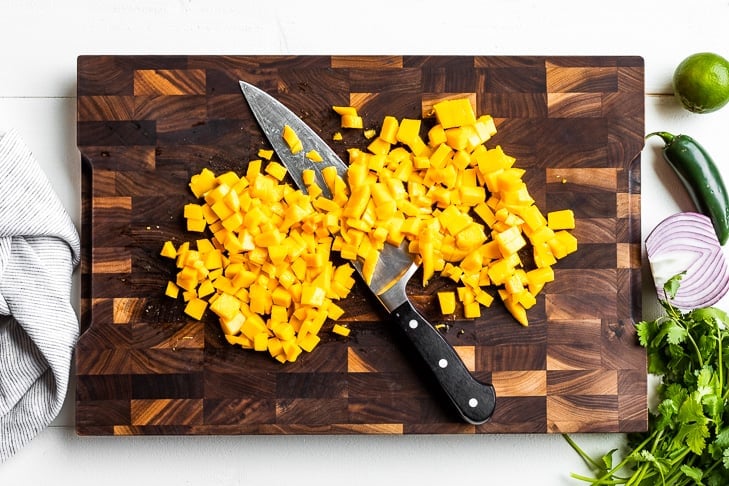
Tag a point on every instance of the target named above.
point(638, 476)
point(711, 468)
point(676, 464)
point(698, 351)
point(599, 481)
point(720, 365)
point(605, 479)
point(609, 477)
point(589, 461)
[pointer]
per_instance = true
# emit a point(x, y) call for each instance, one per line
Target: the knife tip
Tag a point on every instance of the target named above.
point(247, 88)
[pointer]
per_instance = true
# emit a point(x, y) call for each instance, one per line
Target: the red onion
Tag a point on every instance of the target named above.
point(687, 242)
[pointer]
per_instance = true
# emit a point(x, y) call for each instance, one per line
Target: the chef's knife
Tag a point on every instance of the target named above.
point(475, 401)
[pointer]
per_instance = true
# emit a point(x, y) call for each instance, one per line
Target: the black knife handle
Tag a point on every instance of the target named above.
point(475, 401)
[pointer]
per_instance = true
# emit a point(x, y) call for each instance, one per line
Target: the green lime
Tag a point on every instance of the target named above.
point(701, 82)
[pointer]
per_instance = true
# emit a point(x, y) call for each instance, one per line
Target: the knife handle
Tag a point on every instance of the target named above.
point(474, 400)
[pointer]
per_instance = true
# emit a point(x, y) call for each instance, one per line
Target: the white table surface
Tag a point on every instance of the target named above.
point(39, 43)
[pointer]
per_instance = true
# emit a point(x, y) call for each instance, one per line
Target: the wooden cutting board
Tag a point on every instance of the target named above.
point(147, 123)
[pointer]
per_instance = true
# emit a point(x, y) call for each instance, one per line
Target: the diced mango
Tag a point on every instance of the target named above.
point(225, 306)
point(379, 146)
point(260, 342)
point(563, 244)
point(232, 326)
point(276, 170)
point(229, 178)
point(341, 330)
point(291, 350)
point(312, 295)
point(314, 156)
point(172, 290)
point(195, 308)
point(350, 120)
point(197, 225)
point(349, 116)
point(472, 310)
point(447, 301)
point(454, 113)
point(388, 132)
point(485, 127)
point(292, 140)
point(561, 220)
point(408, 131)
point(266, 271)
point(202, 182)
point(510, 241)
point(517, 311)
point(308, 342)
point(265, 154)
point(284, 331)
point(216, 274)
point(484, 298)
point(436, 135)
point(345, 110)
point(168, 250)
point(239, 340)
point(193, 211)
point(334, 312)
point(471, 237)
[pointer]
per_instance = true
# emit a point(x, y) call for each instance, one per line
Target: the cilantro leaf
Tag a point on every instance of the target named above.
point(646, 331)
point(690, 410)
point(675, 332)
point(672, 285)
point(705, 381)
point(722, 440)
point(607, 459)
point(666, 410)
point(693, 472)
point(696, 435)
point(709, 313)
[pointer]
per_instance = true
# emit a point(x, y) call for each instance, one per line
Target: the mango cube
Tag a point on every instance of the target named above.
point(168, 250)
point(172, 290)
point(195, 308)
point(314, 156)
point(454, 113)
point(341, 330)
point(561, 220)
point(472, 310)
point(292, 140)
point(447, 301)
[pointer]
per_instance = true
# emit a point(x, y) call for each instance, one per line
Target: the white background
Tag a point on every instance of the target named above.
point(39, 43)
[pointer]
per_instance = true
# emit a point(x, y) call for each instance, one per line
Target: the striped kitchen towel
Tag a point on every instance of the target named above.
point(39, 248)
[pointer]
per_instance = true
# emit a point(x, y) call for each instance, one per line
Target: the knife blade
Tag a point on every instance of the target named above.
point(474, 400)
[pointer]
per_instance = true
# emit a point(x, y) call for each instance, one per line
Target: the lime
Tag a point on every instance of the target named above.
point(701, 82)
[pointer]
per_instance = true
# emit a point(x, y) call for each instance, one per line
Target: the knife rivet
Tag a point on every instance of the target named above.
point(473, 403)
point(413, 324)
point(443, 363)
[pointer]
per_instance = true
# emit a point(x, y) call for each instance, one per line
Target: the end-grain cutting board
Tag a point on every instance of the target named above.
point(146, 124)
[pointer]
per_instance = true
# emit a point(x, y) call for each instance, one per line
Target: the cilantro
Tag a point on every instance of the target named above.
point(671, 287)
point(687, 442)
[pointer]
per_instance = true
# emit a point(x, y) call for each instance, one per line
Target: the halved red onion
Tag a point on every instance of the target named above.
point(687, 242)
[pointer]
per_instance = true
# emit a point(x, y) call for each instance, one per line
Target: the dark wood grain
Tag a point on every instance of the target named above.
point(147, 123)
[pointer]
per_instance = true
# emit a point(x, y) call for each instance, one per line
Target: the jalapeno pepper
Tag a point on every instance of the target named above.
point(700, 177)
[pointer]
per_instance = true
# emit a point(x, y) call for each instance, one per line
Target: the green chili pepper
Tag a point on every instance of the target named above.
point(700, 177)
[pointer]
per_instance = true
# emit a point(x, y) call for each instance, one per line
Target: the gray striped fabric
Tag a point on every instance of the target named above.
point(39, 248)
